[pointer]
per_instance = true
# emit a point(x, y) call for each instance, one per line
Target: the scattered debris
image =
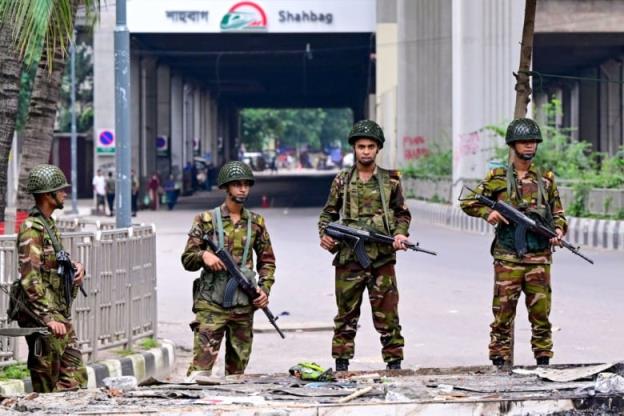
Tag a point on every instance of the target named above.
point(356, 394)
point(565, 374)
point(123, 383)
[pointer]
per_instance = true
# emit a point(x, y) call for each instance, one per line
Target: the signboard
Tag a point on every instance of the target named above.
point(162, 146)
point(105, 141)
point(236, 16)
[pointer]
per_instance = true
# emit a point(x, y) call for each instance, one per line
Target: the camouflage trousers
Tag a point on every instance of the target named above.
point(211, 323)
point(55, 363)
point(510, 279)
point(351, 281)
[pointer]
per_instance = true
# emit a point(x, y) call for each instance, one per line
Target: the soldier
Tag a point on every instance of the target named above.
point(54, 361)
point(523, 185)
point(238, 230)
point(366, 196)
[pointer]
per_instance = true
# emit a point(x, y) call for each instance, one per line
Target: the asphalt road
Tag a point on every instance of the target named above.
point(444, 300)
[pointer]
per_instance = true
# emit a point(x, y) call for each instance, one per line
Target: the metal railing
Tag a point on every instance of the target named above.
point(120, 281)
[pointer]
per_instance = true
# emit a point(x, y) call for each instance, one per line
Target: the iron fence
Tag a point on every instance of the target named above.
point(120, 281)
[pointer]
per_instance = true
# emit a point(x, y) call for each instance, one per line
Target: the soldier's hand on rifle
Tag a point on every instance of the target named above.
point(495, 218)
point(57, 328)
point(80, 272)
point(261, 301)
point(556, 241)
point(213, 262)
point(328, 243)
point(399, 242)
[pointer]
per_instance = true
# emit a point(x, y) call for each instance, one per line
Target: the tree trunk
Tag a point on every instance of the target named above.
point(523, 94)
point(39, 129)
point(523, 84)
point(10, 71)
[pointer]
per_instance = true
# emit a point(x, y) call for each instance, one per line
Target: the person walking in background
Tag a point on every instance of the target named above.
point(135, 193)
point(171, 191)
point(99, 189)
point(154, 191)
point(110, 193)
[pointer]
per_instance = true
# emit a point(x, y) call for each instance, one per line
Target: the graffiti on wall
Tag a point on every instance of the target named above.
point(414, 147)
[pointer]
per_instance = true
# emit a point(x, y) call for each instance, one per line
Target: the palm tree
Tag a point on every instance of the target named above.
point(46, 26)
point(10, 70)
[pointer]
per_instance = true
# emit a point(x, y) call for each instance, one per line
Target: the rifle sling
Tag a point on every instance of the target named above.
point(232, 283)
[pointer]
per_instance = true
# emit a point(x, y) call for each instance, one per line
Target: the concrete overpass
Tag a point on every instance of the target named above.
point(195, 64)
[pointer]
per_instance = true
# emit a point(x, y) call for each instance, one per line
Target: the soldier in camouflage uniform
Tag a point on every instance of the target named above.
point(533, 192)
point(54, 361)
point(217, 314)
point(371, 197)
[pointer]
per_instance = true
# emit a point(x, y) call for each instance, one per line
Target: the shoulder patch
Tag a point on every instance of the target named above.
point(395, 174)
point(498, 172)
point(549, 174)
point(206, 216)
point(257, 218)
point(33, 223)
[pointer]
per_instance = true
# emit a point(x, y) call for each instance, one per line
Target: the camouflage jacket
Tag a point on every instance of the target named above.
point(494, 186)
point(363, 207)
point(42, 284)
point(234, 240)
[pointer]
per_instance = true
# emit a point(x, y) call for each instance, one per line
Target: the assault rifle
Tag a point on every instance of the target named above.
point(524, 224)
point(15, 305)
point(67, 271)
point(356, 238)
point(243, 283)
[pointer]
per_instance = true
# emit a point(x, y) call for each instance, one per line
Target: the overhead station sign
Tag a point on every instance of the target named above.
point(232, 16)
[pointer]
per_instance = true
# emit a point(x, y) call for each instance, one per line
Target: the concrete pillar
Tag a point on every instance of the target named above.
point(197, 116)
point(216, 142)
point(424, 78)
point(149, 116)
point(163, 111)
point(187, 123)
point(103, 81)
point(137, 112)
point(387, 78)
point(485, 52)
point(177, 134)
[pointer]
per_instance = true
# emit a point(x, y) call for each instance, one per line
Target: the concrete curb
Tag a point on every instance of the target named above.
point(589, 232)
point(157, 362)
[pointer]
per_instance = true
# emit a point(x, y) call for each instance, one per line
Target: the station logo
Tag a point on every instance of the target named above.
point(244, 16)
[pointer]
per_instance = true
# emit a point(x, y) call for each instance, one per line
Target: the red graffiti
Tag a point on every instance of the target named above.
point(469, 144)
point(414, 147)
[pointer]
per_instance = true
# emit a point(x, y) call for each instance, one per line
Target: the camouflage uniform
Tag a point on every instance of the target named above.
point(512, 274)
point(363, 207)
point(55, 362)
point(212, 320)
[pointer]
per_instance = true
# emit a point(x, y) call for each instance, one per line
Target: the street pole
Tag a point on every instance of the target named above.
point(122, 118)
point(74, 138)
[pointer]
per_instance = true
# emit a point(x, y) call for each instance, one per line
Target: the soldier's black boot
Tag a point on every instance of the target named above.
point(498, 361)
point(543, 360)
point(394, 365)
point(342, 364)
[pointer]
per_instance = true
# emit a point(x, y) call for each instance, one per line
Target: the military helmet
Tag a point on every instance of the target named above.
point(523, 129)
point(366, 129)
point(45, 178)
point(235, 171)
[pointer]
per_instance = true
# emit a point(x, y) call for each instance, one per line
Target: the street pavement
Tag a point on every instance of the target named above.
point(444, 300)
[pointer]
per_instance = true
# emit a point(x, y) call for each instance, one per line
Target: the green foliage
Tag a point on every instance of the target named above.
point(148, 343)
point(570, 159)
point(14, 372)
point(437, 162)
point(43, 24)
point(124, 352)
point(315, 127)
point(84, 90)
